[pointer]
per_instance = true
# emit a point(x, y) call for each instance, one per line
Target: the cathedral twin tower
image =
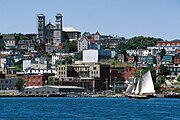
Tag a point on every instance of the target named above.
point(49, 33)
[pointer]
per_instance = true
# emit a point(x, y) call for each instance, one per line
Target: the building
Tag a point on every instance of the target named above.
point(25, 46)
point(70, 34)
point(168, 43)
point(88, 41)
point(93, 55)
point(50, 34)
point(176, 59)
point(36, 79)
point(52, 90)
point(38, 63)
point(111, 42)
point(9, 41)
point(8, 84)
point(86, 72)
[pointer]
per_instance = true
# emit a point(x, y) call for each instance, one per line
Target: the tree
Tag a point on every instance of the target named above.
point(20, 84)
point(68, 60)
point(50, 81)
point(178, 79)
point(78, 56)
point(122, 48)
point(2, 47)
point(71, 46)
point(164, 70)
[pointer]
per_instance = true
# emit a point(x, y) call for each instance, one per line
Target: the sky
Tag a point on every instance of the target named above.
point(125, 18)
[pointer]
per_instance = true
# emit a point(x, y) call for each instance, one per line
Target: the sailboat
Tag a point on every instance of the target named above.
point(144, 89)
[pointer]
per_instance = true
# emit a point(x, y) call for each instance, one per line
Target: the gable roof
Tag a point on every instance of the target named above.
point(49, 25)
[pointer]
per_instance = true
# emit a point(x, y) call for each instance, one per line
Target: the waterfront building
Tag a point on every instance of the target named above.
point(8, 84)
point(36, 79)
point(86, 71)
point(53, 90)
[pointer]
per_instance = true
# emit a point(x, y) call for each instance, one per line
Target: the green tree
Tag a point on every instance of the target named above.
point(68, 60)
point(178, 79)
point(164, 70)
point(50, 81)
point(20, 84)
point(46, 54)
point(71, 46)
point(122, 48)
point(2, 47)
point(78, 55)
point(157, 86)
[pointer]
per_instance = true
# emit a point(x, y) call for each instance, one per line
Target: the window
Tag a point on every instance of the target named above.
point(94, 68)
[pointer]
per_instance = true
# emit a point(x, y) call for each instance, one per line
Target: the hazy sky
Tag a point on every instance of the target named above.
point(127, 18)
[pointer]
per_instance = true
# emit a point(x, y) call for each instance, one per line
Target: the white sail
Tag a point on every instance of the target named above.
point(129, 89)
point(137, 87)
point(147, 83)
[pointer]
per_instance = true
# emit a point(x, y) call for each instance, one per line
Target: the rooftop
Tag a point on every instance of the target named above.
point(70, 29)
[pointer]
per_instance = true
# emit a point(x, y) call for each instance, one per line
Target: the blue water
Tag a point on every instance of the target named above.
point(89, 108)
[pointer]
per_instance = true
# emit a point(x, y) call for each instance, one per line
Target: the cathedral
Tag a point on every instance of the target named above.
point(50, 34)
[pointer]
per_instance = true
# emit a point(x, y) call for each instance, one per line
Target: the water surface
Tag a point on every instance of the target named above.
point(89, 108)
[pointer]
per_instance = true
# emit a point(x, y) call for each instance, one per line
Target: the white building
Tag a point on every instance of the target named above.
point(139, 52)
point(90, 56)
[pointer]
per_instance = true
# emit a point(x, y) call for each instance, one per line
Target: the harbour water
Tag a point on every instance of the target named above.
point(41, 108)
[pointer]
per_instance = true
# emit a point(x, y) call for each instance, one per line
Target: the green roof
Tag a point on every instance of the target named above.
point(167, 58)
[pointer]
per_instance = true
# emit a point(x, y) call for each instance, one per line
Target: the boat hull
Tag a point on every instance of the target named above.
point(136, 97)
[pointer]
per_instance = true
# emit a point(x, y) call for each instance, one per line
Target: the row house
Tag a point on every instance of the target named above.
point(111, 42)
point(40, 71)
point(26, 46)
point(89, 42)
point(169, 49)
point(140, 52)
point(168, 43)
point(10, 41)
point(5, 53)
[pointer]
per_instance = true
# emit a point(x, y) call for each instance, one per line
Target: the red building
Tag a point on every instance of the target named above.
point(168, 43)
point(34, 80)
point(129, 72)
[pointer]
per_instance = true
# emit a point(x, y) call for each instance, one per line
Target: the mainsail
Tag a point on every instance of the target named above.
point(147, 83)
